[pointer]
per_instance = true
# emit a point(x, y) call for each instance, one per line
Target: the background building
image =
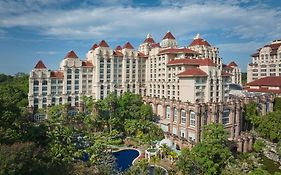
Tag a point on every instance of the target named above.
point(265, 62)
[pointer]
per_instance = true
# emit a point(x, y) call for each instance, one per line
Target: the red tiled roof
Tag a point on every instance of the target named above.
point(149, 40)
point(266, 81)
point(274, 46)
point(153, 45)
point(57, 74)
point(177, 50)
point(94, 46)
point(140, 54)
point(188, 61)
point(40, 65)
point(118, 48)
point(87, 63)
point(103, 44)
point(117, 53)
point(200, 42)
point(255, 54)
point(128, 46)
point(71, 54)
point(264, 89)
point(191, 72)
point(224, 66)
point(169, 35)
point(232, 64)
point(226, 74)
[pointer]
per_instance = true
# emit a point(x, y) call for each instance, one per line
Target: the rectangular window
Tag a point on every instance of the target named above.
point(192, 119)
point(183, 117)
point(168, 112)
point(225, 117)
point(175, 115)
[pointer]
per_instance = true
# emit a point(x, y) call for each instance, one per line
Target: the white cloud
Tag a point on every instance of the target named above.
point(134, 22)
point(46, 52)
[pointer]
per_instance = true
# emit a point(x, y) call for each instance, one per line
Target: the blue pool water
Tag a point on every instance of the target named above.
point(125, 158)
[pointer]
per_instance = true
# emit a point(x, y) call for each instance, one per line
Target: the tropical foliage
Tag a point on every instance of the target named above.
point(209, 156)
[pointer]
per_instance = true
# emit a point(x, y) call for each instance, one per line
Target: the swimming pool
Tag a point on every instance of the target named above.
point(125, 158)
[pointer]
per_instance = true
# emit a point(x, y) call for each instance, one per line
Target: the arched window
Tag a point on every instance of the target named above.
point(175, 115)
point(168, 112)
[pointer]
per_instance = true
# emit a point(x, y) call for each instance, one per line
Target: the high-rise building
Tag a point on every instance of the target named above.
point(265, 62)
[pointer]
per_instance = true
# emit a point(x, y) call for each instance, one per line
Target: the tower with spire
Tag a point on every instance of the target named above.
point(202, 46)
point(168, 40)
point(145, 47)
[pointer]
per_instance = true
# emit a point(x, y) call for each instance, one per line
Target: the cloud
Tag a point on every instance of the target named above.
point(121, 21)
point(46, 52)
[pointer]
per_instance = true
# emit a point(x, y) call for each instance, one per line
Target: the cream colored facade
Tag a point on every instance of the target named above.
point(265, 62)
point(163, 70)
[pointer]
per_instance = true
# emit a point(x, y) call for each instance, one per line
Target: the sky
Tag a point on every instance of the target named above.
point(47, 29)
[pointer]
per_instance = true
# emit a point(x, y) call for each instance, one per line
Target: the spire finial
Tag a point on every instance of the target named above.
point(149, 35)
point(197, 36)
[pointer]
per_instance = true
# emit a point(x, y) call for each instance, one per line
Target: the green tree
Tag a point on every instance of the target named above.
point(21, 158)
point(269, 126)
point(210, 156)
point(277, 104)
point(146, 112)
point(251, 115)
point(258, 145)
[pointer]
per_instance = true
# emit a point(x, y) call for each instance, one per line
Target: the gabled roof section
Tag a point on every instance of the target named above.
point(169, 35)
point(188, 61)
point(87, 63)
point(40, 65)
point(232, 64)
point(118, 47)
point(71, 54)
point(198, 41)
point(193, 72)
point(117, 53)
point(140, 54)
point(103, 44)
point(266, 81)
point(94, 46)
point(149, 39)
point(178, 50)
point(255, 54)
point(128, 45)
point(56, 74)
point(153, 45)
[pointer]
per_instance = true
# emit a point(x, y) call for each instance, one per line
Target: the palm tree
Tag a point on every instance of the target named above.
point(173, 155)
point(165, 150)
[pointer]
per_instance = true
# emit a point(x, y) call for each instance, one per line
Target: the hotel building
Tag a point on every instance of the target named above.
point(187, 87)
point(163, 70)
point(265, 62)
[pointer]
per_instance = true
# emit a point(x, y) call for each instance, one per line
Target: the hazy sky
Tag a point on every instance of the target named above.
point(47, 29)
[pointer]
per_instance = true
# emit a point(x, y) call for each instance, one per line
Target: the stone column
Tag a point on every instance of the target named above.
point(237, 118)
point(239, 145)
point(250, 145)
point(171, 117)
point(179, 120)
point(245, 145)
point(164, 111)
point(231, 121)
